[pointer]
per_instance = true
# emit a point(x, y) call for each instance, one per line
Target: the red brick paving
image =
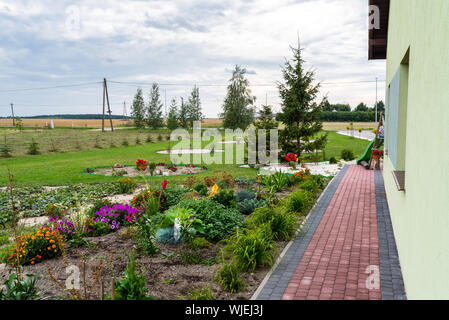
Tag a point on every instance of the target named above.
point(343, 246)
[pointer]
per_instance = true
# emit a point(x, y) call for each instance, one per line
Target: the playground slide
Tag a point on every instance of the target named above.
point(367, 154)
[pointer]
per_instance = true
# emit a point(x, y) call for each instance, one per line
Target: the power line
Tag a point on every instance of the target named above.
point(223, 85)
point(53, 87)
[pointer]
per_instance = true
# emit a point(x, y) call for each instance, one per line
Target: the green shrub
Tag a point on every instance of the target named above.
point(149, 139)
point(332, 160)
point(299, 202)
point(5, 150)
point(283, 225)
point(217, 221)
point(125, 142)
point(203, 293)
point(126, 185)
point(21, 288)
point(248, 206)
point(174, 194)
point(225, 197)
point(33, 148)
point(201, 189)
point(252, 248)
point(319, 180)
point(159, 137)
point(275, 182)
point(199, 243)
point(228, 276)
point(347, 155)
point(310, 186)
point(244, 194)
point(223, 184)
point(132, 285)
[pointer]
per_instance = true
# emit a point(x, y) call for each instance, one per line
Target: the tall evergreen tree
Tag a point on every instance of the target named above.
point(138, 109)
point(266, 120)
point(183, 117)
point(154, 108)
point(194, 106)
point(300, 113)
point(237, 107)
point(172, 119)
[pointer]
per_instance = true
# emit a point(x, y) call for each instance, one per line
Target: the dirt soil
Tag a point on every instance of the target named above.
point(167, 277)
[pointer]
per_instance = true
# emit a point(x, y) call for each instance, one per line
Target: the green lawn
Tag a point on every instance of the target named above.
point(67, 168)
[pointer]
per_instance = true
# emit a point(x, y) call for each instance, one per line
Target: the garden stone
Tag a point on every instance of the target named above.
point(31, 222)
point(165, 235)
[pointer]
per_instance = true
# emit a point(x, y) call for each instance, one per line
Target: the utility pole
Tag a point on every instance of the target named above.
point(12, 112)
point(376, 101)
point(109, 106)
point(125, 114)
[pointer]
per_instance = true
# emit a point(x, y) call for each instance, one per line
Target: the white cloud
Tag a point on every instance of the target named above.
point(184, 42)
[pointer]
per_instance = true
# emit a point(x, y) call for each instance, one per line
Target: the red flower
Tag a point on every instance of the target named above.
point(164, 185)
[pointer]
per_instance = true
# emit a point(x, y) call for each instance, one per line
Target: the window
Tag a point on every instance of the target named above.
point(396, 138)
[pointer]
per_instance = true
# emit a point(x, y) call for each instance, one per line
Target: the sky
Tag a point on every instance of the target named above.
point(48, 46)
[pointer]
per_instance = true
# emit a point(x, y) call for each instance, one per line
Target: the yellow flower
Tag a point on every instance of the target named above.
point(214, 191)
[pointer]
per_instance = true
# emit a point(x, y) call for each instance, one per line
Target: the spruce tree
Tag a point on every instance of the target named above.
point(194, 107)
point(138, 109)
point(183, 115)
point(154, 108)
point(300, 113)
point(265, 120)
point(172, 119)
point(237, 107)
point(5, 149)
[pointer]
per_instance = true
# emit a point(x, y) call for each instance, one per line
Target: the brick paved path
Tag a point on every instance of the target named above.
point(340, 257)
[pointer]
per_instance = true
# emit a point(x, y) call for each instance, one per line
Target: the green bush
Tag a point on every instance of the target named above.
point(225, 197)
point(203, 293)
point(299, 202)
point(252, 248)
point(132, 285)
point(248, 206)
point(21, 288)
point(199, 243)
point(201, 189)
point(244, 194)
point(228, 276)
point(217, 221)
point(347, 155)
point(174, 194)
point(283, 225)
point(310, 185)
point(126, 185)
point(33, 148)
point(223, 184)
point(332, 160)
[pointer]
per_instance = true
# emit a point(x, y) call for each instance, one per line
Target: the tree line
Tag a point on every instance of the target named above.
point(150, 114)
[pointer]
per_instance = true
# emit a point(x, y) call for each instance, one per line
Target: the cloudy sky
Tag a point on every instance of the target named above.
point(178, 44)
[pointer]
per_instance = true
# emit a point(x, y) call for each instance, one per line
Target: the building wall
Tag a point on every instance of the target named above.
point(420, 215)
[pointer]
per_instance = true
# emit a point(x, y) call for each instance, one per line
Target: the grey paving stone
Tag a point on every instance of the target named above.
point(392, 283)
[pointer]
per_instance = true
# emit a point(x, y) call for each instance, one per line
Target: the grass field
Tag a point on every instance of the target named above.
point(67, 168)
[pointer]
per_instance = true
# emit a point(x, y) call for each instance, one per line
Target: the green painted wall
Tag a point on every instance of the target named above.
point(420, 215)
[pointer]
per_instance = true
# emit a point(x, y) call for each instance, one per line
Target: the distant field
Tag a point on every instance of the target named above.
point(210, 123)
point(88, 123)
